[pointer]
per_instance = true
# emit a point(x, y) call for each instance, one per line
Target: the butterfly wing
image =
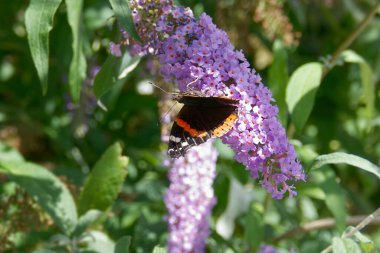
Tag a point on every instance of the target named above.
point(195, 124)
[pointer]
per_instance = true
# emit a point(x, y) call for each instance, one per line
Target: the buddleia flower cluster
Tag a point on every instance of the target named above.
point(195, 51)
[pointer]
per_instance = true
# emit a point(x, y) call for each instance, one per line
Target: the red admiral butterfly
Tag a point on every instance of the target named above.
point(200, 119)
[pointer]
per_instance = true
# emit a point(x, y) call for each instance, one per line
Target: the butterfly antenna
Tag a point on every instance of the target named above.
point(167, 112)
point(158, 87)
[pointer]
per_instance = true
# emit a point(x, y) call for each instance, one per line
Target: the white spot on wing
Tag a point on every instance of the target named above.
point(175, 139)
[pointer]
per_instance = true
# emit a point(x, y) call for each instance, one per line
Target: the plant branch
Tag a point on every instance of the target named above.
point(328, 223)
point(359, 227)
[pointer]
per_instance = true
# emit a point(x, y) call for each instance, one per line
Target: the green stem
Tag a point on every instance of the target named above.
point(359, 227)
point(366, 21)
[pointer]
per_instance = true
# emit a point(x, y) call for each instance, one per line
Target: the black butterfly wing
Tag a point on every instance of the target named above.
point(195, 124)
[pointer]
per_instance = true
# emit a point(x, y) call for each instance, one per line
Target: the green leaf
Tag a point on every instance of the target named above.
point(278, 78)
point(254, 229)
point(124, 16)
point(77, 72)
point(114, 69)
point(105, 181)
point(44, 251)
point(221, 241)
point(39, 18)
point(107, 75)
point(97, 241)
point(301, 90)
point(334, 195)
point(123, 244)
point(338, 245)
point(353, 160)
point(366, 245)
point(351, 246)
point(159, 249)
point(367, 80)
point(48, 191)
point(86, 220)
point(8, 153)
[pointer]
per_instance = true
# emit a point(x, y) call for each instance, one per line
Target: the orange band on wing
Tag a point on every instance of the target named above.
point(193, 132)
point(225, 127)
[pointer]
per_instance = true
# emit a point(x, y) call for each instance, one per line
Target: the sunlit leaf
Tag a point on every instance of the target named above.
point(78, 62)
point(301, 90)
point(159, 249)
point(343, 158)
point(114, 69)
point(278, 78)
point(105, 181)
point(351, 246)
point(39, 22)
point(345, 245)
point(7, 153)
point(48, 191)
point(97, 241)
point(338, 245)
point(86, 220)
point(365, 244)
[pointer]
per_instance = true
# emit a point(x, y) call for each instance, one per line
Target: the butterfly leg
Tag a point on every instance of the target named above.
point(188, 85)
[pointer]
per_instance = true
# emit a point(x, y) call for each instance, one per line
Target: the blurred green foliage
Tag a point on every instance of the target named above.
point(39, 132)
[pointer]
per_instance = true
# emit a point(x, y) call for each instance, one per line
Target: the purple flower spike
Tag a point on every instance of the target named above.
point(190, 199)
point(196, 52)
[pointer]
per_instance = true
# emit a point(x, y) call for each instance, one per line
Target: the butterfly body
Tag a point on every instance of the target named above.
point(200, 119)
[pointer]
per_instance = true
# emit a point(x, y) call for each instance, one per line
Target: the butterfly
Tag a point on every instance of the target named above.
point(200, 119)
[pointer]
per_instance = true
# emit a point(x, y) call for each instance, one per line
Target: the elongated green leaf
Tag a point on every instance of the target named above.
point(123, 14)
point(105, 181)
point(338, 245)
point(254, 228)
point(345, 245)
point(7, 153)
point(366, 245)
point(367, 80)
point(113, 69)
point(39, 18)
point(278, 78)
point(348, 159)
point(351, 246)
point(335, 201)
point(49, 192)
point(334, 195)
point(86, 220)
point(301, 90)
point(159, 249)
point(78, 62)
point(123, 244)
point(97, 241)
